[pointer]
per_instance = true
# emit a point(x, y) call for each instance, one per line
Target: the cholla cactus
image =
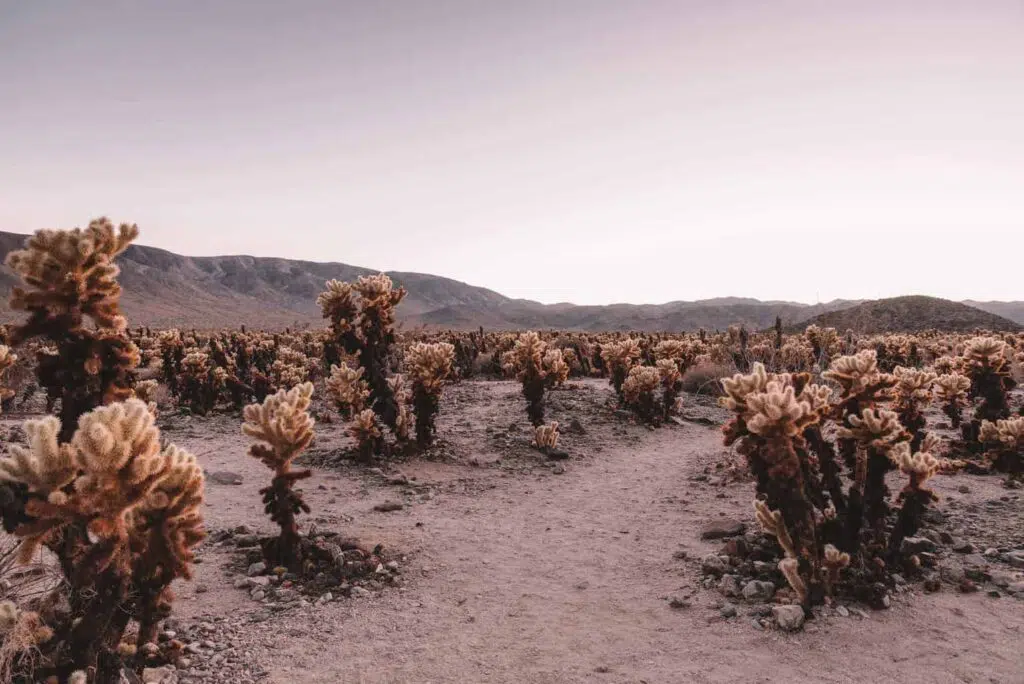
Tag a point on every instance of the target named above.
point(367, 433)
point(986, 361)
point(779, 426)
point(283, 429)
point(545, 437)
point(619, 357)
point(429, 365)
point(919, 467)
point(362, 318)
point(115, 508)
point(1004, 441)
point(862, 386)
point(7, 360)
point(912, 393)
point(671, 385)
point(403, 397)
point(951, 390)
point(556, 367)
point(199, 383)
point(348, 389)
point(824, 342)
point(638, 392)
point(71, 277)
point(527, 361)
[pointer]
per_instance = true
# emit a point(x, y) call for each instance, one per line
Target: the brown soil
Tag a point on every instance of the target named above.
point(513, 573)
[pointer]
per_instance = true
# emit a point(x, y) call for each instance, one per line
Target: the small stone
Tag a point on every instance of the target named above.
point(912, 545)
point(963, 489)
point(680, 554)
point(1003, 579)
point(558, 469)
point(728, 611)
point(388, 506)
point(756, 590)
point(677, 603)
point(994, 593)
point(258, 595)
point(964, 547)
point(224, 478)
point(1015, 588)
point(1015, 559)
point(360, 592)
point(245, 541)
point(991, 553)
point(788, 618)
point(257, 582)
point(726, 527)
point(967, 586)
point(843, 611)
point(729, 586)
point(713, 565)
point(167, 635)
point(159, 675)
point(576, 427)
point(255, 569)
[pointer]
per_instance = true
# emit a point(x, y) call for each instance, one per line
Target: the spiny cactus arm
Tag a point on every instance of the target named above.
point(44, 466)
point(772, 523)
point(790, 568)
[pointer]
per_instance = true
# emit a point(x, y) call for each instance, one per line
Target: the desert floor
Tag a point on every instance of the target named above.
point(514, 569)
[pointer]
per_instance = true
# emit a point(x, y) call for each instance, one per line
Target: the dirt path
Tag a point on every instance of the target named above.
point(516, 574)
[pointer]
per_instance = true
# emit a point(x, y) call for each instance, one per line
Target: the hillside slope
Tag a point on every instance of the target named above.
point(912, 314)
point(166, 289)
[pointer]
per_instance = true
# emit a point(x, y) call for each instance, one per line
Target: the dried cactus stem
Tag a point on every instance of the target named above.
point(427, 405)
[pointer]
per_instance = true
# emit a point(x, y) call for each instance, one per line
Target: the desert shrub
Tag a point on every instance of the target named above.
point(834, 539)
point(705, 378)
point(638, 393)
point(282, 428)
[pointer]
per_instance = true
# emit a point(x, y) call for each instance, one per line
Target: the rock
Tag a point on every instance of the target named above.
point(224, 477)
point(258, 595)
point(728, 611)
point(257, 582)
point(991, 553)
point(1002, 579)
point(576, 427)
point(558, 469)
point(788, 618)
point(556, 454)
point(389, 506)
point(259, 568)
point(725, 527)
point(677, 603)
point(964, 547)
point(963, 489)
point(756, 590)
point(360, 592)
point(843, 611)
point(1015, 588)
point(160, 675)
point(1015, 559)
point(729, 586)
point(244, 541)
point(713, 565)
point(951, 572)
point(912, 545)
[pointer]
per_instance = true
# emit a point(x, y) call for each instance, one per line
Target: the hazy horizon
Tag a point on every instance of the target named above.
point(591, 152)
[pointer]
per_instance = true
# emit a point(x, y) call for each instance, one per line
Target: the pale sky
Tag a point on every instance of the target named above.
point(562, 150)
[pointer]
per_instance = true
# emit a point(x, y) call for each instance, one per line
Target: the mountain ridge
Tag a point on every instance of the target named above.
point(165, 289)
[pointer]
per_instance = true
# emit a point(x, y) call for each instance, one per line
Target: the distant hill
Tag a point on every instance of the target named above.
point(1012, 310)
point(912, 314)
point(164, 289)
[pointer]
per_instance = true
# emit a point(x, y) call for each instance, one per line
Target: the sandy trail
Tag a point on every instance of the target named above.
point(521, 575)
